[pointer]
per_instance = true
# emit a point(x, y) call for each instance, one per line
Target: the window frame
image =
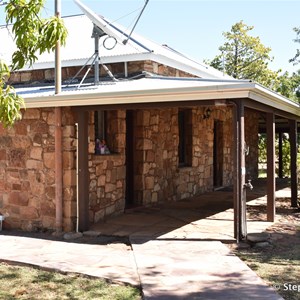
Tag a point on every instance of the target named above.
point(185, 138)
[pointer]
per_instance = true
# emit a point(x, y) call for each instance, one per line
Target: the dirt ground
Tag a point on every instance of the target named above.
point(279, 262)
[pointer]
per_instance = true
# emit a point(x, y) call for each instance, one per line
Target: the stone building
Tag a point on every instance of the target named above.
point(172, 128)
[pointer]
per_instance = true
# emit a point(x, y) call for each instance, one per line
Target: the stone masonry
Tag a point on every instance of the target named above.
point(118, 69)
point(158, 177)
point(108, 172)
point(27, 156)
point(27, 173)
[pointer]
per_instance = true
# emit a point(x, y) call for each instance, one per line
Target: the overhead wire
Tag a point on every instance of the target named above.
point(124, 16)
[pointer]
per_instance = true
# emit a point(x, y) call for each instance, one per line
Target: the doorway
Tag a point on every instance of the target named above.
point(218, 153)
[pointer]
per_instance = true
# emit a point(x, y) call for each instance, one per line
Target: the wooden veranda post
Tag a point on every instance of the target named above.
point(83, 172)
point(240, 224)
point(270, 167)
point(294, 173)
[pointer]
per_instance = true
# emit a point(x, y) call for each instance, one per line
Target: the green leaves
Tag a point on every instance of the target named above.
point(32, 33)
point(289, 85)
point(296, 59)
point(51, 31)
point(245, 57)
point(4, 71)
point(10, 102)
point(10, 105)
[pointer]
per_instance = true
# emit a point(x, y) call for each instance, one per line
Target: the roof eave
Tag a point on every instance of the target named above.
point(139, 96)
point(213, 92)
point(202, 72)
point(273, 99)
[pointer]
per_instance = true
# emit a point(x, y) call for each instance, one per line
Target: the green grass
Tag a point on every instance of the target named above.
point(276, 271)
point(18, 282)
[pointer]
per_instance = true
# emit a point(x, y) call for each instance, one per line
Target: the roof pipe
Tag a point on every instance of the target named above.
point(58, 135)
point(96, 63)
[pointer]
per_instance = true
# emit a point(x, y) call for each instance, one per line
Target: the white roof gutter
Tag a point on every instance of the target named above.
point(270, 98)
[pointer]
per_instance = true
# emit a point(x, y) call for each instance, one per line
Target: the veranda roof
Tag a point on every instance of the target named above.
point(155, 89)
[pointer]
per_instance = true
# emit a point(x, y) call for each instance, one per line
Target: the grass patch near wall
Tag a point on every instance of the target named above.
point(21, 282)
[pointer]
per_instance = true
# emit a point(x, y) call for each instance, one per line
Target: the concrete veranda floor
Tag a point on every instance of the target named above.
point(205, 217)
point(175, 251)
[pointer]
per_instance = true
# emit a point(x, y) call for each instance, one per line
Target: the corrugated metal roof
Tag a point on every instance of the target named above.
point(124, 86)
point(80, 47)
point(155, 90)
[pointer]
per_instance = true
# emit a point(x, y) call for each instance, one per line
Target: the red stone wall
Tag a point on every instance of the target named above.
point(27, 176)
point(108, 172)
point(158, 176)
point(47, 75)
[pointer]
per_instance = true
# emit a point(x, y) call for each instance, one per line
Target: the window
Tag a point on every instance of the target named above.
point(185, 137)
point(100, 119)
point(100, 124)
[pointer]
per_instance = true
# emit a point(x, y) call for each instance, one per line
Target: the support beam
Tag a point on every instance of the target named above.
point(294, 173)
point(242, 179)
point(236, 174)
point(83, 172)
point(270, 167)
point(280, 161)
point(57, 53)
point(240, 224)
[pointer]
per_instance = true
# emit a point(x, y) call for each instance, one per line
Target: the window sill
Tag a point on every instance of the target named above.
point(105, 156)
point(184, 167)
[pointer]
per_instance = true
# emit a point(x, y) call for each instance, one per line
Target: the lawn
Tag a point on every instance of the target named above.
point(20, 282)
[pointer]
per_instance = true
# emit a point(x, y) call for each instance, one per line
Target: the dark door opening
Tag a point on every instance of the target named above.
point(129, 202)
point(218, 153)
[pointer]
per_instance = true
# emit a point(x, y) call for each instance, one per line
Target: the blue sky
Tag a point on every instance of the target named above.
point(195, 27)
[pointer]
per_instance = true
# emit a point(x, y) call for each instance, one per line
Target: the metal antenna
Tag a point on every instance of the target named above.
point(97, 34)
point(126, 40)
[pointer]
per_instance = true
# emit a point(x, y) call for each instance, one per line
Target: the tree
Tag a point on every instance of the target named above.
point(32, 34)
point(289, 85)
point(245, 57)
point(296, 58)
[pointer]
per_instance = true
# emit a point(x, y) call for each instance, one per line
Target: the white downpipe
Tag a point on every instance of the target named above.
point(77, 180)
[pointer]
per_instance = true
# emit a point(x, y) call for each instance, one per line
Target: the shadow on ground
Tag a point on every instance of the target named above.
point(207, 217)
